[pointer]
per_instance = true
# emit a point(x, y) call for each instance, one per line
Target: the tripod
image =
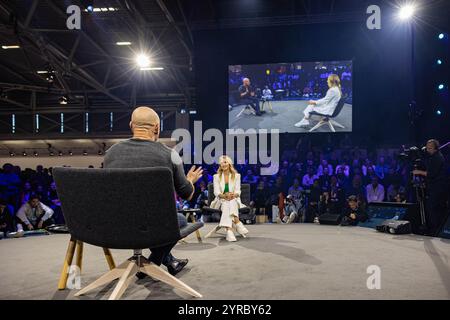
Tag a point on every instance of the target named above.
point(419, 188)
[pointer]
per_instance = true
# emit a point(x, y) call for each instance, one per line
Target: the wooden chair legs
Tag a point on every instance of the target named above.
point(197, 232)
point(78, 245)
point(217, 228)
point(67, 262)
point(125, 273)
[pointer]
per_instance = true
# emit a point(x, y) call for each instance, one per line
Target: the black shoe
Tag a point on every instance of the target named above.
point(141, 275)
point(176, 266)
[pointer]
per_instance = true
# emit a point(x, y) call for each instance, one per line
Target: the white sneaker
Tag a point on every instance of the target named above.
point(18, 234)
point(302, 123)
point(316, 220)
point(230, 236)
point(241, 229)
point(291, 218)
point(278, 220)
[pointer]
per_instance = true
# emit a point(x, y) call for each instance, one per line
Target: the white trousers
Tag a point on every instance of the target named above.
point(319, 109)
point(230, 209)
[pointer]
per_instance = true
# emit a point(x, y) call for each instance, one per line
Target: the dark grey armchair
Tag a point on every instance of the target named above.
point(122, 209)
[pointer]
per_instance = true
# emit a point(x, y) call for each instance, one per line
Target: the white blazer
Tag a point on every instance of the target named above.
point(233, 186)
point(327, 104)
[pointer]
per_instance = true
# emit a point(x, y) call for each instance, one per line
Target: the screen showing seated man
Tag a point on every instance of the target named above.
point(291, 97)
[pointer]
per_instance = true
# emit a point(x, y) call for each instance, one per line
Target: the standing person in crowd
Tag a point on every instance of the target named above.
point(375, 191)
point(260, 197)
point(335, 197)
point(26, 192)
point(324, 179)
point(436, 180)
point(55, 204)
point(314, 198)
point(202, 198)
point(34, 214)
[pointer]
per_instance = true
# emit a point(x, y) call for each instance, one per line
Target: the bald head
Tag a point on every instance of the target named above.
point(145, 122)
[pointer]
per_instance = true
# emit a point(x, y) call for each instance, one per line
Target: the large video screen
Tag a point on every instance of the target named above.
point(291, 97)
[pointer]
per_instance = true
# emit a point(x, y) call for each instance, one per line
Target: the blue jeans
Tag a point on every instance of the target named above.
point(182, 222)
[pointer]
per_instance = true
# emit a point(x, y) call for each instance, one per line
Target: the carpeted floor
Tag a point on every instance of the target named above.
point(300, 261)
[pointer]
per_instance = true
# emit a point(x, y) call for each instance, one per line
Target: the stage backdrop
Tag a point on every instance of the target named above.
point(381, 68)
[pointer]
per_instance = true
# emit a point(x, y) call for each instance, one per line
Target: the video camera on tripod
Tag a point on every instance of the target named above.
point(416, 158)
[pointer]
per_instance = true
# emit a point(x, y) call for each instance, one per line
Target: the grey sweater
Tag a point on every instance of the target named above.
point(138, 153)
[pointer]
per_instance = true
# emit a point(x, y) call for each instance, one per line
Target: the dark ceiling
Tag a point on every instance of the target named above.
point(97, 75)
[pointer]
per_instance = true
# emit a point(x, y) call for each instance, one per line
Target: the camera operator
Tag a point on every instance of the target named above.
point(435, 179)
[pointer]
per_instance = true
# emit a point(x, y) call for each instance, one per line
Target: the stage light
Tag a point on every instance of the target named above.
point(11, 47)
point(406, 12)
point(97, 9)
point(104, 9)
point(100, 152)
point(90, 8)
point(51, 153)
point(441, 86)
point(35, 153)
point(60, 153)
point(12, 154)
point(142, 60)
point(24, 154)
point(192, 111)
point(70, 153)
point(123, 43)
point(441, 36)
point(438, 112)
point(85, 153)
point(439, 61)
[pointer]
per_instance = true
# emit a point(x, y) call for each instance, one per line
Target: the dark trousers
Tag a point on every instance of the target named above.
point(162, 254)
point(253, 101)
point(9, 220)
point(436, 210)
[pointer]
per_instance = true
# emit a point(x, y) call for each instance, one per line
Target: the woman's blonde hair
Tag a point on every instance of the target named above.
point(334, 81)
point(233, 171)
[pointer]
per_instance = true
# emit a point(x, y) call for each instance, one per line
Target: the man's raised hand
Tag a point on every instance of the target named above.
point(194, 174)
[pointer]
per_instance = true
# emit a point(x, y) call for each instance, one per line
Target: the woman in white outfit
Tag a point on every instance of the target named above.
point(327, 104)
point(227, 190)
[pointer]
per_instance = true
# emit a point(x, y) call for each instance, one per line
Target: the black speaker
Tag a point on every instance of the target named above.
point(395, 227)
point(330, 219)
point(378, 212)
